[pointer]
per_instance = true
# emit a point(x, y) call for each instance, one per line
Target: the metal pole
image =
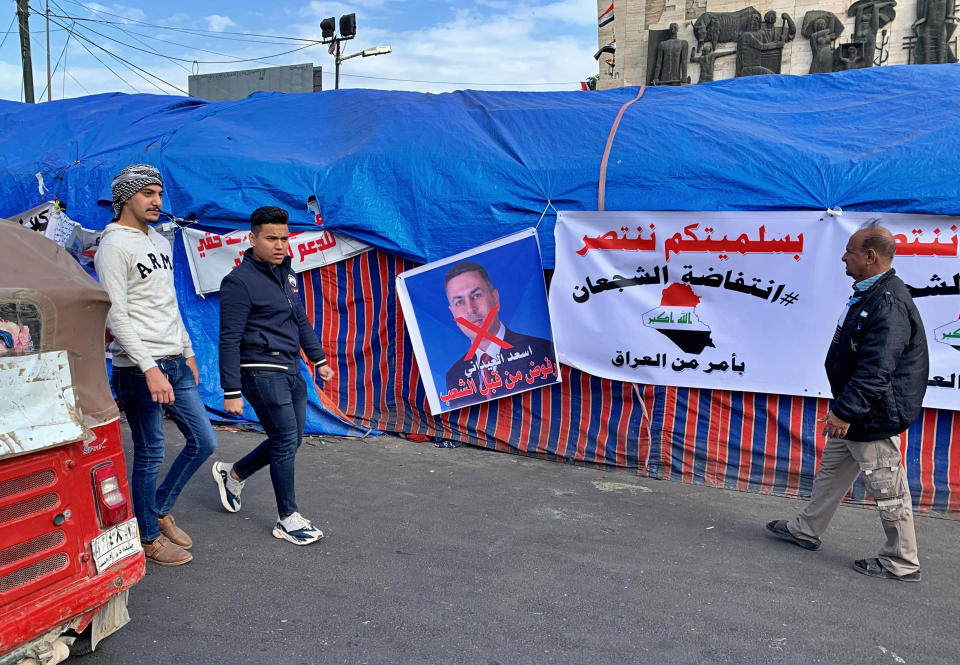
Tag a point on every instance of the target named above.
point(337, 59)
point(23, 13)
point(49, 85)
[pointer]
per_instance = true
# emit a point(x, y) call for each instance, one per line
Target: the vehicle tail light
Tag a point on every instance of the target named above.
point(111, 503)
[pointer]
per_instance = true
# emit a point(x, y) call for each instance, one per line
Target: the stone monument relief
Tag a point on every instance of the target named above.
point(719, 27)
point(840, 35)
point(707, 59)
point(670, 65)
point(869, 16)
point(760, 49)
point(935, 25)
point(821, 28)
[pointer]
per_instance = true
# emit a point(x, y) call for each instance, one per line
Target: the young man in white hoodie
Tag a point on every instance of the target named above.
point(154, 368)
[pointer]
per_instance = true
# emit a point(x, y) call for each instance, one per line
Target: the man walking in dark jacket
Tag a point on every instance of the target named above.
point(262, 328)
point(877, 366)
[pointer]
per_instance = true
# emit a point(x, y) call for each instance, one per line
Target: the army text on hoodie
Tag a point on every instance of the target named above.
point(136, 270)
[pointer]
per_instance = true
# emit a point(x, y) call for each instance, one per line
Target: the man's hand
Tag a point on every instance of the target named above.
point(192, 364)
point(834, 428)
point(233, 406)
point(160, 389)
point(325, 372)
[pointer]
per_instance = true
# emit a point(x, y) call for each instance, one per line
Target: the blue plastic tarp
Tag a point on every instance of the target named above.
point(427, 175)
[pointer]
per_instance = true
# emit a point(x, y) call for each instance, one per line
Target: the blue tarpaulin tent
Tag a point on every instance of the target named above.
point(423, 176)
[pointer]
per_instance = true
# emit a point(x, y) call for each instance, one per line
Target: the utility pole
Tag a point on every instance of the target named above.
point(23, 13)
point(336, 85)
point(49, 86)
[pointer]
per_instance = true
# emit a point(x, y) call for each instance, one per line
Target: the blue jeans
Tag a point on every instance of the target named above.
point(280, 401)
point(145, 418)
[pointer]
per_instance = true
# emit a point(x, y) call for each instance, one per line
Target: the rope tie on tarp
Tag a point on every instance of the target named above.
point(544, 213)
point(602, 189)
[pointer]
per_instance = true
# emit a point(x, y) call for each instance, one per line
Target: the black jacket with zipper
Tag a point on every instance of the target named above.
point(262, 323)
point(878, 364)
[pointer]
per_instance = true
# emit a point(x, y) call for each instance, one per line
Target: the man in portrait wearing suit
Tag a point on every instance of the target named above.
point(503, 361)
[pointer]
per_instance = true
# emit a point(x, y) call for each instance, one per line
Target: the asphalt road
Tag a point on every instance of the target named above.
point(443, 556)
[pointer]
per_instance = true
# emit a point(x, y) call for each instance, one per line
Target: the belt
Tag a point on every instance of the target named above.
point(176, 357)
point(264, 367)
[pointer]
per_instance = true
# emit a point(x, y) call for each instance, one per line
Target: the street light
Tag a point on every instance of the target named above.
point(366, 53)
point(348, 30)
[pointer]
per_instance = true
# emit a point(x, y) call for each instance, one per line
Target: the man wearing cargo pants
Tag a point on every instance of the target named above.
point(877, 366)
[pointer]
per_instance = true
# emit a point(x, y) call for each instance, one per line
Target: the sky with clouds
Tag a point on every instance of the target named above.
point(438, 45)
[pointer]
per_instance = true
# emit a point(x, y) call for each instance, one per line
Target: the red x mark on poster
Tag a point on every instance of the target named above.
point(483, 332)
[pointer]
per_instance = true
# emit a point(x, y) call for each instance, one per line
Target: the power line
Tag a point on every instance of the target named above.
point(78, 82)
point(107, 66)
point(126, 62)
point(56, 66)
point(187, 46)
point(213, 33)
point(7, 34)
point(74, 27)
point(63, 84)
point(32, 32)
point(174, 58)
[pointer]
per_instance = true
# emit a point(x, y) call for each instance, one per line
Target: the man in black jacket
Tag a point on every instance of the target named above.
point(877, 366)
point(262, 329)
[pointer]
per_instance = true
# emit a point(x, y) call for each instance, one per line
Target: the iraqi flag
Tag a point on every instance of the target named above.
point(676, 318)
point(606, 17)
point(609, 48)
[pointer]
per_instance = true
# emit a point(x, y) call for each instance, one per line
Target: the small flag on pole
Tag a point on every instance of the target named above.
point(609, 48)
point(606, 17)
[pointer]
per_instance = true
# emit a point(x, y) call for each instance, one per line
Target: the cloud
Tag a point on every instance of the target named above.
point(438, 46)
point(218, 23)
point(546, 47)
point(10, 76)
point(122, 12)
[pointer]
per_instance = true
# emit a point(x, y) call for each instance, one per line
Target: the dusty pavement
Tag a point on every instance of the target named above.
point(442, 556)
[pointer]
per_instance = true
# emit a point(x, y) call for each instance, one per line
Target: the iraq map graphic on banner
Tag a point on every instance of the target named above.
point(676, 319)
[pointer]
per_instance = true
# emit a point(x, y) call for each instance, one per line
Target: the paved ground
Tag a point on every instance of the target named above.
point(468, 556)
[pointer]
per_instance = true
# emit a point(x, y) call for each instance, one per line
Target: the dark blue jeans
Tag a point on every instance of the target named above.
point(145, 418)
point(280, 401)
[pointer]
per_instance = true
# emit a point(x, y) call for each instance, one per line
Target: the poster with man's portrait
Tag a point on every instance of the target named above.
point(479, 323)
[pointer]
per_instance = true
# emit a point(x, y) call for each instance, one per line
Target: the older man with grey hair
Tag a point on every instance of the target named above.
point(878, 368)
point(154, 368)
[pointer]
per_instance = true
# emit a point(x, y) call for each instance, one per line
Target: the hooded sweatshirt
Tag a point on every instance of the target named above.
point(136, 271)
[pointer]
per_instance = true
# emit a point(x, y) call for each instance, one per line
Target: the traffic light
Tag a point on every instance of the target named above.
point(328, 26)
point(348, 26)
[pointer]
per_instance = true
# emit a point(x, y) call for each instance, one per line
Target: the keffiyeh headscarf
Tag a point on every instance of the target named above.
point(130, 181)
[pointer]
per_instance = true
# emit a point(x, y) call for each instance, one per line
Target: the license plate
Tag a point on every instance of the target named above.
point(118, 543)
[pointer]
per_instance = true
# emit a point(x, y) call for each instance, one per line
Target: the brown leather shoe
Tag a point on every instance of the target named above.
point(176, 535)
point(163, 552)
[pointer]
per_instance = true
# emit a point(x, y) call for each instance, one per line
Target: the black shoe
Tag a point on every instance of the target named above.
point(873, 568)
point(780, 530)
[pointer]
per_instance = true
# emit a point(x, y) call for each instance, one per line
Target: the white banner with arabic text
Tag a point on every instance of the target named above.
point(212, 256)
point(743, 301)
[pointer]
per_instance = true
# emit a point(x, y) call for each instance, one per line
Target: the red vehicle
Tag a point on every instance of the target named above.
point(69, 544)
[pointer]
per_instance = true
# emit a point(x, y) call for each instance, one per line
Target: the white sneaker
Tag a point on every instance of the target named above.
point(297, 529)
point(229, 487)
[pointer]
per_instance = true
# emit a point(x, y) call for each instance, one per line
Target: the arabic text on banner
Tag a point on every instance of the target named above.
point(212, 256)
point(742, 301)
